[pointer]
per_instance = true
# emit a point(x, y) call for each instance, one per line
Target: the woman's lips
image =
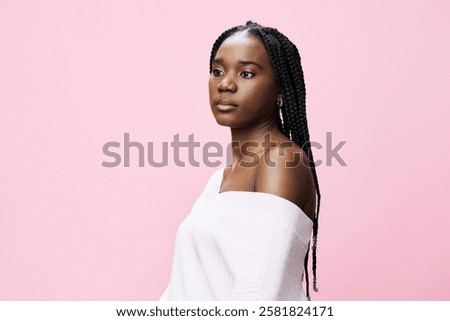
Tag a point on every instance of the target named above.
point(226, 105)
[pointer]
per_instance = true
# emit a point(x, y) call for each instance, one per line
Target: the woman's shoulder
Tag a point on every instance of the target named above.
point(285, 172)
point(215, 178)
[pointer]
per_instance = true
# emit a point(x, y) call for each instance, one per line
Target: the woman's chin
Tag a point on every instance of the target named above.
point(222, 121)
point(226, 123)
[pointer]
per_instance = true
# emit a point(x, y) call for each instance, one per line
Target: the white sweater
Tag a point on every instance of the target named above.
point(239, 245)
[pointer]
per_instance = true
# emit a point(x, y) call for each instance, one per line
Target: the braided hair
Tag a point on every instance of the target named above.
point(292, 122)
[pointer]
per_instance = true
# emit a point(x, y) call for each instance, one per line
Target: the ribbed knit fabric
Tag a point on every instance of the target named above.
point(239, 245)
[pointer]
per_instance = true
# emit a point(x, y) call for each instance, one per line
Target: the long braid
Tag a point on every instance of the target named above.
point(296, 117)
point(301, 123)
point(307, 274)
point(286, 62)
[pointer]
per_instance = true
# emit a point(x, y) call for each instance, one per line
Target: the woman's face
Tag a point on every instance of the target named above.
point(242, 85)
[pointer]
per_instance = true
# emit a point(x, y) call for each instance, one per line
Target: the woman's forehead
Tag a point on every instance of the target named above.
point(243, 44)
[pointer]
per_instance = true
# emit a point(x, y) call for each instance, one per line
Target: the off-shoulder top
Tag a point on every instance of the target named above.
point(239, 245)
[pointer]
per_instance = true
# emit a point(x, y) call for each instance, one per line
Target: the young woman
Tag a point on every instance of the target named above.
point(248, 234)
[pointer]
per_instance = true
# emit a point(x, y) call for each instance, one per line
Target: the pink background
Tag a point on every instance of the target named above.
point(75, 75)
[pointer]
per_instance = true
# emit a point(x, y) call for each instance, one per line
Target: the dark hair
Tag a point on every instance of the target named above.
point(293, 124)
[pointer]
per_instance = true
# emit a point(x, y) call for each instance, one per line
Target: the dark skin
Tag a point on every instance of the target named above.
point(243, 95)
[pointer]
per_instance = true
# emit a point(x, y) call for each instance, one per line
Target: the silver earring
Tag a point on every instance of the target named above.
point(280, 102)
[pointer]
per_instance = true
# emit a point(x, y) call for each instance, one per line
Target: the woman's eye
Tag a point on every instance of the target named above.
point(247, 74)
point(217, 72)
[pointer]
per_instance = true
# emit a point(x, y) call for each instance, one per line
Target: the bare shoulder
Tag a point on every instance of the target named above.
point(285, 172)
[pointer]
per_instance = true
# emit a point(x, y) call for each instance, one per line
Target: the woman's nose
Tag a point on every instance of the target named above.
point(227, 83)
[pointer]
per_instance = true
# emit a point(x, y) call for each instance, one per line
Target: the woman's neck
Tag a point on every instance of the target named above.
point(249, 144)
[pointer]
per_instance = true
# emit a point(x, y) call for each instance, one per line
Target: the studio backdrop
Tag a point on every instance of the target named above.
point(107, 139)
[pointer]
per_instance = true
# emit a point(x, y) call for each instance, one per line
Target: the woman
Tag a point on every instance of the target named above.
point(248, 234)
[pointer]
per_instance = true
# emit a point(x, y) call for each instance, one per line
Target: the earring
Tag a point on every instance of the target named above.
point(280, 102)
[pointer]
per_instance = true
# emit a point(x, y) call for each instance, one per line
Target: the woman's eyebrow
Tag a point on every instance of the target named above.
point(249, 62)
point(217, 61)
point(241, 62)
